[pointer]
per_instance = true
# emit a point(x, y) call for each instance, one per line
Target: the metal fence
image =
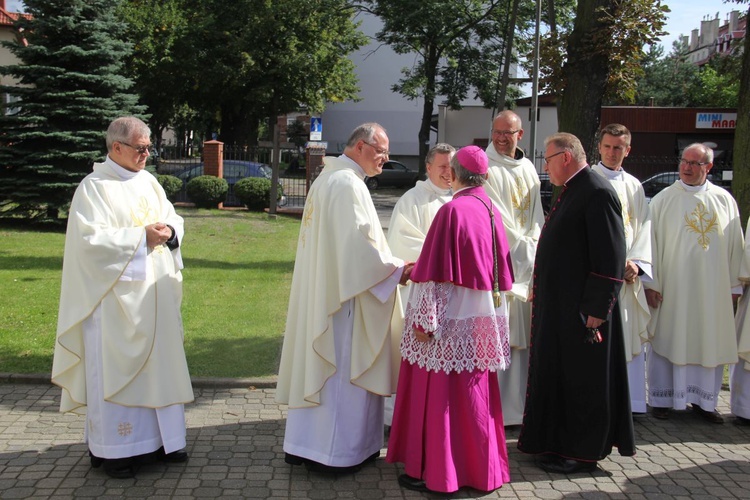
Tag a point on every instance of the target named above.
point(188, 162)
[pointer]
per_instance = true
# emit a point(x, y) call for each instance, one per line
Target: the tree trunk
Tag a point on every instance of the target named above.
point(586, 73)
point(741, 161)
point(508, 54)
point(431, 63)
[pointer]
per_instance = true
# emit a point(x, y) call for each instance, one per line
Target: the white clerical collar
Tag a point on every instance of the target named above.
point(354, 165)
point(123, 173)
point(577, 172)
point(442, 192)
point(694, 189)
point(608, 172)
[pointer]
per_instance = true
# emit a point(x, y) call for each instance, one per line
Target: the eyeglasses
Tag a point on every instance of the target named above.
point(693, 164)
point(142, 150)
point(378, 151)
point(548, 158)
point(505, 133)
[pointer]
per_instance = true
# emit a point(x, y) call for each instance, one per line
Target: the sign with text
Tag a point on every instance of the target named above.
point(715, 120)
point(316, 128)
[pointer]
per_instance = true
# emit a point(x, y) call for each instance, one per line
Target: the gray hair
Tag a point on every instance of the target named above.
point(125, 129)
point(365, 132)
point(439, 148)
point(567, 142)
point(708, 153)
point(464, 175)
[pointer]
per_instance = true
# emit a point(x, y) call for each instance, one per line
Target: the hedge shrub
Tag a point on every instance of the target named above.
point(207, 191)
point(254, 192)
point(171, 184)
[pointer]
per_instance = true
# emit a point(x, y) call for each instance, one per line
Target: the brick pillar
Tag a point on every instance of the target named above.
point(213, 160)
point(314, 163)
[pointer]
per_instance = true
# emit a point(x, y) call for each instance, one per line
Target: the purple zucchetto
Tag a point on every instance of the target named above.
point(473, 158)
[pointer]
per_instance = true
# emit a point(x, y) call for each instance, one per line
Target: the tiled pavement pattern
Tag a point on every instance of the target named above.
point(235, 440)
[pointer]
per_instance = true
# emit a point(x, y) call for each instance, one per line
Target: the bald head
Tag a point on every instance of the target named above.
point(506, 132)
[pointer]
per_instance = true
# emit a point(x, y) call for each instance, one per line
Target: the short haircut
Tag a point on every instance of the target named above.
point(439, 148)
point(708, 153)
point(509, 115)
point(464, 175)
point(615, 130)
point(567, 142)
point(124, 129)
point(365, 132)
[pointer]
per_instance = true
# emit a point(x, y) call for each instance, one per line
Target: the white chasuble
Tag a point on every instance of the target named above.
point(698, 247)
point(634, 310)
point(342, 254)
point(138, 290)
point(513, 185)
point(410, 221)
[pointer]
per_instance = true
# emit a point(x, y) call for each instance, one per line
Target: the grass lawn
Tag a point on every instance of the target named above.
point(238, 271)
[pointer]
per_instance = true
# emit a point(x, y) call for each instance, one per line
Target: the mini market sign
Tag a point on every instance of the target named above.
point(715, 120)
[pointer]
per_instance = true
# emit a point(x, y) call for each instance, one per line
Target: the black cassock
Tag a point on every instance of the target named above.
point(577, 400)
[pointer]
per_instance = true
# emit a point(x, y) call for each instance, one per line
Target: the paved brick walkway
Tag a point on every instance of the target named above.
point(235, 440)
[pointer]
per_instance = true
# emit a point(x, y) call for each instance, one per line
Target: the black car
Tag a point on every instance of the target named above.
point(395, 174)
point(656, 183)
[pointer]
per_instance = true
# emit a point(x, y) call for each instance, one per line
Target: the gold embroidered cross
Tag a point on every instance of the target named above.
point(702, 222)
point(125, 428)
point(306, 220)
point(521, 200)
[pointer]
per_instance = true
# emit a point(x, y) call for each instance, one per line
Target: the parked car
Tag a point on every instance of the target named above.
point(545, 190)
point(394, 174)
point(662, 180)
point(656, 183)
point(234, 170)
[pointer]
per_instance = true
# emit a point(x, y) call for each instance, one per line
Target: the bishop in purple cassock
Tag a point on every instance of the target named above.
point(448, 422)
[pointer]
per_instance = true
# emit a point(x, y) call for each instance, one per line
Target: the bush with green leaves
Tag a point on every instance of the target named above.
point(255, 192)
point(207, 191)
point(171, 184)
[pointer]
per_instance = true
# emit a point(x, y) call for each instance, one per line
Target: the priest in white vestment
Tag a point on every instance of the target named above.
point(412, 216)
point(340, 354)
point(119, 354)
point(614, 146)
point(513, 185)
point(698, 246)
point(739, 375)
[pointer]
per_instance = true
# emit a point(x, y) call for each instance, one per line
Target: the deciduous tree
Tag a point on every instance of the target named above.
point(459, 48)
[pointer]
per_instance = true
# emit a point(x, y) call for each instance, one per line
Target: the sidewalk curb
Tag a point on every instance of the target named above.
point(197, 382)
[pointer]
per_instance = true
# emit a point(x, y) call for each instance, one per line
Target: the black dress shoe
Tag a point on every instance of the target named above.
point(175, 457)
point(567, 466)
point(712, 416)
point(660, 413)
point(120, 468)
point(332, 469)
point(742, 421)
point(412, 483)
point(294, 459)
point(96, 462)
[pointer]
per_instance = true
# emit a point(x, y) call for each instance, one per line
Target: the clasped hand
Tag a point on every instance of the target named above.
point(157, 234)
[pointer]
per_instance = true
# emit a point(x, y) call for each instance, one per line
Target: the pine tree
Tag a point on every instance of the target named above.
point(70, 88)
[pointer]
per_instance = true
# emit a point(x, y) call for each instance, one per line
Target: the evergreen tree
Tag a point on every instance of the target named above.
point(70, 88)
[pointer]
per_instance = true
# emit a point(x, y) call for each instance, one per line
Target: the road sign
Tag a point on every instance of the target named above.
point(316, 128)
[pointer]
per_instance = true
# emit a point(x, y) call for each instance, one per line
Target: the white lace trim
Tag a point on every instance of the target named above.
point(478, 341)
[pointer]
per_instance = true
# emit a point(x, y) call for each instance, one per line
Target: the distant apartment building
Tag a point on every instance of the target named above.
point(715, 38)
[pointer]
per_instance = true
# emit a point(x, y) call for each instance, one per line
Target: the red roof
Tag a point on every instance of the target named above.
point(7, 18)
